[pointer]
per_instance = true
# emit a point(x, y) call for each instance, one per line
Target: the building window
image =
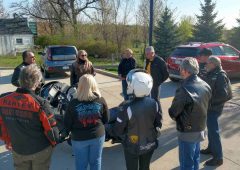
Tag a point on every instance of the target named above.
point(19, 41)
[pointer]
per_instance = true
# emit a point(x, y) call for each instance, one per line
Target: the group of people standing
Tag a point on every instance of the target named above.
point(197, 104)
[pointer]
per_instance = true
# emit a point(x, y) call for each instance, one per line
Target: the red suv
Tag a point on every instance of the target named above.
point(228, 55)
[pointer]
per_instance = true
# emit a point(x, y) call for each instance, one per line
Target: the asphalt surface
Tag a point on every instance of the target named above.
point(166, 156)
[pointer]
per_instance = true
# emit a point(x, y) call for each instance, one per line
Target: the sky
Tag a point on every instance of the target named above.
point(228, 10)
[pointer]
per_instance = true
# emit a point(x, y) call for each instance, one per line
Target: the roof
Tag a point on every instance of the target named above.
point(202, 45)
point(14, 26)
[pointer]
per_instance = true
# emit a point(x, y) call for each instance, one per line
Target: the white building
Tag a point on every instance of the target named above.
point(15, 36)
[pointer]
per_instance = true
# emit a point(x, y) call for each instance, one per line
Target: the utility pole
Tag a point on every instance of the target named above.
point(151, 23)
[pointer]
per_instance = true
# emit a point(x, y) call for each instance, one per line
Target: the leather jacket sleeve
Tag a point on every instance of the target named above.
point(119, 127)
point(15, 77)
point(72, 75)
point(49, 123)
point(105, 113)
point(178, 103)
point(158, 119)
point(223, 89)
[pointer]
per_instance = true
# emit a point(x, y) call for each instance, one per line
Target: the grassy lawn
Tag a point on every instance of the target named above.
point(14, 61)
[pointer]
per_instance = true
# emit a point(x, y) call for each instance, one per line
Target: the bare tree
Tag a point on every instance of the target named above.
point(103, 19)
point(144, 15)
point(58, 11)
point(121, 12)
point(3, 13)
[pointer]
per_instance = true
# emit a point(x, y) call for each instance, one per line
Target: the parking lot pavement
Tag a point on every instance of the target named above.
point(166, 156)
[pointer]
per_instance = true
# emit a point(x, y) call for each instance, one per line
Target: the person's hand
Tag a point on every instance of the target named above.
point(8, 146)
point(120, 77)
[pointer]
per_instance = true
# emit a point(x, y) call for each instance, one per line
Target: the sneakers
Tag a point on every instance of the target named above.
point(214, 162)
point(205, 151)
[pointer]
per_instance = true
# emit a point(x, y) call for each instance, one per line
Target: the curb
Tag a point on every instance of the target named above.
point(100, 71)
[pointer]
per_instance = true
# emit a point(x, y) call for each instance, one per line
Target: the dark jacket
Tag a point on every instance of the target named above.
point(190, 105)
point(77, 70)
point(159, 70)
point(137, 124)
point(202, 71)
point(27, 122)
point(221, 89)
point(126, 65)
point(16, 74)
point(85, 120)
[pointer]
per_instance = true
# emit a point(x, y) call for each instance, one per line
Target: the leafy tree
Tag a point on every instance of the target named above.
point(206, 28)
point(185, 29)
point(166, 34)
point(234, 38)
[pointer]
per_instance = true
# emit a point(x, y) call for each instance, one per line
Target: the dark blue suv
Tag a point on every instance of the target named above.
point(57, 58)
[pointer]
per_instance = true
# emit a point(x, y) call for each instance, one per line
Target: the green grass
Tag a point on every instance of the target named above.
point(14, 61)
point(113, 70)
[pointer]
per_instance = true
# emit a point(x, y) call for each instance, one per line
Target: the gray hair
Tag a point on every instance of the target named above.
point(190, 65)
point(215, 60)
point(30, 76)
point(149, 49)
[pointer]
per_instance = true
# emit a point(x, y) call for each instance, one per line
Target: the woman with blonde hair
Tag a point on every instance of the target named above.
point(85, 119)
point(80, 67)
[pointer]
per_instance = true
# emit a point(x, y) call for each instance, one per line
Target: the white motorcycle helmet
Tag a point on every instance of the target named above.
point(139, 83)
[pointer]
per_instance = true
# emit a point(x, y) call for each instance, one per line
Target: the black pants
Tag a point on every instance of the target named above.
point(155, 95)
point(138, 162)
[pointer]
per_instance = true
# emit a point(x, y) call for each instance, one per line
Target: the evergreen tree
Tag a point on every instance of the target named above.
point(206, 28)
point(166, 34)
point(235, 37)
point(185, 29)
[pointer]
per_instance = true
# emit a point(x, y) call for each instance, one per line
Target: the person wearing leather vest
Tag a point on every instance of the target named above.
point(27, 123)
point(221, 93)
point(80, 67)
point(138, 122)
point(189, 110)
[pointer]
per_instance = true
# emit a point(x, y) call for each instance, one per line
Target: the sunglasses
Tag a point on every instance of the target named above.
point(83, 55)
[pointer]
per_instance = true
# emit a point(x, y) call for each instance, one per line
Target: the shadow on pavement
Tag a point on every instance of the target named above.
point(229, 120)
point(5, 158)
point(57, 76)
point(167, 141)
point(168, 89)
point(6, 79)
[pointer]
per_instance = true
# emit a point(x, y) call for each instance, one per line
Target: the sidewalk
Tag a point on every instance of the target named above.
point(166, 156)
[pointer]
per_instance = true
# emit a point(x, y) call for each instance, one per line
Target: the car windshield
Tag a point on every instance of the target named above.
point(63, 51)
point(185, 52)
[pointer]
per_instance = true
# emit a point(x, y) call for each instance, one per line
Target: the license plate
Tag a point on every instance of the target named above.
point(65, 67)
point(178, 61)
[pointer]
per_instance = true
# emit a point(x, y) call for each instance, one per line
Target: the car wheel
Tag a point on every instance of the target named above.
point(46, 74)
point(174, 79)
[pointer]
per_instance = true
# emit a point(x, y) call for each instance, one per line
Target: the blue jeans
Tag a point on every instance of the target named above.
point(124, 89)
point(214, 139)
point(189, 155)
point(88, 152)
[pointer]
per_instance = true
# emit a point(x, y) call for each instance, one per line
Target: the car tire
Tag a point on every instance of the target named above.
point(174, 79)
